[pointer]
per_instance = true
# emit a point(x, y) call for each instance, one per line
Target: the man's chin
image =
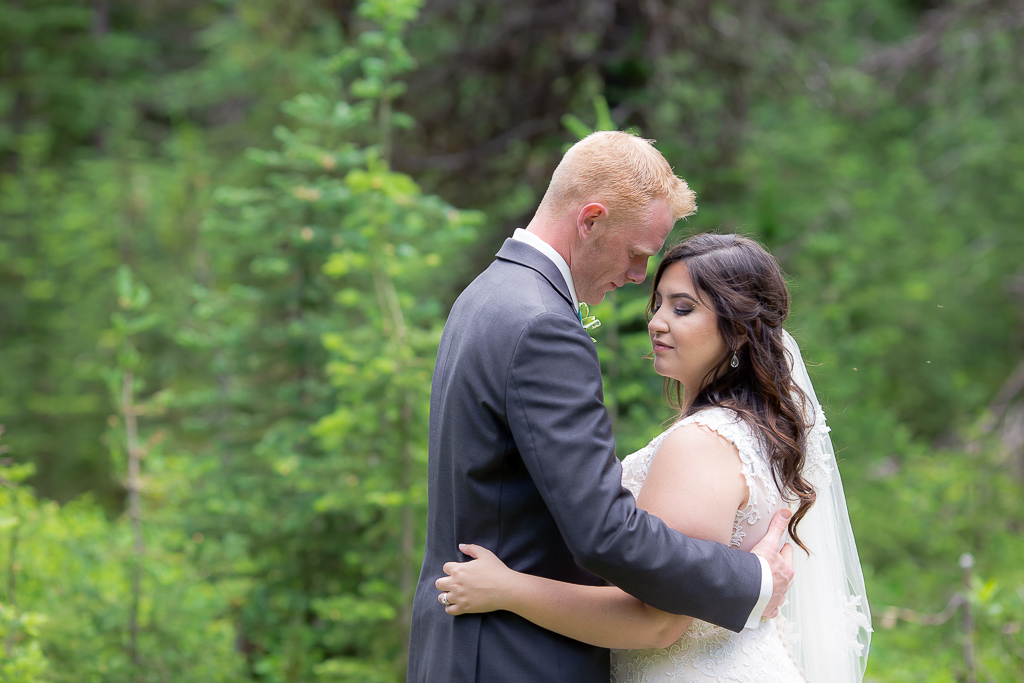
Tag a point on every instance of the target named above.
point(594, 299)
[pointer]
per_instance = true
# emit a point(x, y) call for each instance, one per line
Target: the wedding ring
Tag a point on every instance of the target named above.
point(443, 599)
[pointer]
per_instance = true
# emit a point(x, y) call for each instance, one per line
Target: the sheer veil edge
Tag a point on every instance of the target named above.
point(826, 615)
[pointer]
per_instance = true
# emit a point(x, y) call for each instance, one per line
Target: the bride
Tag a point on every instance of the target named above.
point(750, 438)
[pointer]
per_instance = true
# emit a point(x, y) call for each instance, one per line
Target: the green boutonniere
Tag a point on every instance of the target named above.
point(590, 322)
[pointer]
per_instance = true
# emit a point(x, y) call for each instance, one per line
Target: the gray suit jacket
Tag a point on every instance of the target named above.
point(522, 462)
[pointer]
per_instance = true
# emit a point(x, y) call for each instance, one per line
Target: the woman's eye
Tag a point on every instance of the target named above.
point(684, 311)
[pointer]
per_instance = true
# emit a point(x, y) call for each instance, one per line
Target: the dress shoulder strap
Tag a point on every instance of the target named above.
point(729, 425)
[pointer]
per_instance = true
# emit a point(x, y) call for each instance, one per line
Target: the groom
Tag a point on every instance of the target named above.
point(521, 456)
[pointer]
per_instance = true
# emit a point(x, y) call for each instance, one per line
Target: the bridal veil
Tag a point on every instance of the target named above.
point(826, 612)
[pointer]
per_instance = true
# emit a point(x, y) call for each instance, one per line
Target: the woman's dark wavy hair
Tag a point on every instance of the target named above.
point(743, 285)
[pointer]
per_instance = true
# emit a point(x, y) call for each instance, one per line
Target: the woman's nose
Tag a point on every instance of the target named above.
point(657, 323)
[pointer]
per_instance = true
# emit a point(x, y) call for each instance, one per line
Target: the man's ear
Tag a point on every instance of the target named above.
point(589, 218)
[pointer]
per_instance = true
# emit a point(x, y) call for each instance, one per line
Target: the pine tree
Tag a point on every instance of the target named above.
point(323, 343)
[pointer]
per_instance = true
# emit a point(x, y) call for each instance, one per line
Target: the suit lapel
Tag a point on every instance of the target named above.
point(523, 254)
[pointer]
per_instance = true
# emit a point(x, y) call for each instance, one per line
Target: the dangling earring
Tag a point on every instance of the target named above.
point(735, 361)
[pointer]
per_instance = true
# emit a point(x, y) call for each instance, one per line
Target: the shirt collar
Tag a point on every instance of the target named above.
point(549, 251)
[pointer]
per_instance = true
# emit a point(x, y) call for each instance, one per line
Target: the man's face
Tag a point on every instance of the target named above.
point(619, 254)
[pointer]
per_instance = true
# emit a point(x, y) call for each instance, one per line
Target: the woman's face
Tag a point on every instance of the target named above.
point(684, 331)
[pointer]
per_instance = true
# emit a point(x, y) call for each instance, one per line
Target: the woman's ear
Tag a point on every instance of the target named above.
point(741, 336)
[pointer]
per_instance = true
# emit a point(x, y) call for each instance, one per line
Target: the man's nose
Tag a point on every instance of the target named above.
point(637, 272)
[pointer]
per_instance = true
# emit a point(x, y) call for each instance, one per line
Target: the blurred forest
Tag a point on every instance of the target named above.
point(230, 233)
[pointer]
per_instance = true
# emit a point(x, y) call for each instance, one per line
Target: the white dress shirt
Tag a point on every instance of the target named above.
point(556, 258)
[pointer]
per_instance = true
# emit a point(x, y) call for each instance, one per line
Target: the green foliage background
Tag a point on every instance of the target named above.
point(255, 215)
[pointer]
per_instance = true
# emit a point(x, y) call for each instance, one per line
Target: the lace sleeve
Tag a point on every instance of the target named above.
point(763, 498)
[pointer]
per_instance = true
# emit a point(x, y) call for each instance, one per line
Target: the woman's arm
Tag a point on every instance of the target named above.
point(695, 485)
point(598, 615)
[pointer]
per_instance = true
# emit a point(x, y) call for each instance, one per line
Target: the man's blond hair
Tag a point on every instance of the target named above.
point(621, 170)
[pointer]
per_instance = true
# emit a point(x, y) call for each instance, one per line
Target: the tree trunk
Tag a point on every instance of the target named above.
point(134, 512)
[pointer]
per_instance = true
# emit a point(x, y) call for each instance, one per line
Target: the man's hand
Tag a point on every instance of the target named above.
point(780, 562)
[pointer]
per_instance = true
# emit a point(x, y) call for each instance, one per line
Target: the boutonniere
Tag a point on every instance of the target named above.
point(590, 322)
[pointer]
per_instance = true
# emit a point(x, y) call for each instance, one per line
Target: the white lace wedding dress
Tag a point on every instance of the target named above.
point(707, 653)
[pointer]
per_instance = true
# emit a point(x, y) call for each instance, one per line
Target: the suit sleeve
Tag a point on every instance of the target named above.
point(563, 433)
